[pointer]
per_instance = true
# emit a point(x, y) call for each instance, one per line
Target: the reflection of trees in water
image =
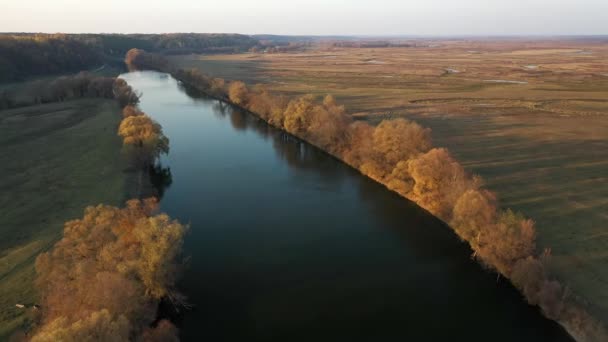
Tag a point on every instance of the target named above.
point(422, 232)
point(298, 154)
point(239, 120)
point(242, 120)
point(220, 109)
point(303, 156)
point(160, 178)
point(191, 91)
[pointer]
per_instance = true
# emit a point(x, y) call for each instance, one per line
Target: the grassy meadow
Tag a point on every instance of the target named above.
point(55, 160)
point(531, 117)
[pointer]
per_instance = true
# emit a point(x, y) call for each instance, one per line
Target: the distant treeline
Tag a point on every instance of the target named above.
point(23, 55)
point(399, 154)
point(367, 44)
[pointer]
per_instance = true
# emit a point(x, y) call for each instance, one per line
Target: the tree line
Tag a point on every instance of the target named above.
point(24, 55)
point(64, 88)
point(32, 55)
point(108, 275)
point(399, 154)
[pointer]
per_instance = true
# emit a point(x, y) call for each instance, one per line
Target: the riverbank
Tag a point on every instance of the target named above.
point(316, 249)
point(493, 130)
point(575, 313)
point(61, 153)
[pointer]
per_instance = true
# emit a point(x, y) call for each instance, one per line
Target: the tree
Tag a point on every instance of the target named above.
point(360, 144)
point(238, 93)
point(551, 298)
point(474, 212)
point(438, 182)
point(529, 277)
point(105, 278)
point(400, 179)
point(400, 140)
point(145, 137)
point(137, 59)
point(328, 125)
point(124, 94)
point(298, 115)
point(512, 238)
point(98, 326)
point(131, 110)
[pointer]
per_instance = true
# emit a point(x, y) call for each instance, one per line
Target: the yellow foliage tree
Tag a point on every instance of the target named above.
point(110, 269)
point(144, 137)
point(238, 93)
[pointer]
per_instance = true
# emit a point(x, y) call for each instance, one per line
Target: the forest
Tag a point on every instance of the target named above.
point(24, 55)
point(399, 154)
point(30, 55)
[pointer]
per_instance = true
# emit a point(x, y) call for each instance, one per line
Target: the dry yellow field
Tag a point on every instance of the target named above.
point(531, 117)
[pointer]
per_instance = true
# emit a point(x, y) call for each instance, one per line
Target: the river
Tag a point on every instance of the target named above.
point(288, 244)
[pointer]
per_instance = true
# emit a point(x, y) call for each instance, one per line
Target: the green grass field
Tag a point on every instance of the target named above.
point(55, 159)
point(541, 145)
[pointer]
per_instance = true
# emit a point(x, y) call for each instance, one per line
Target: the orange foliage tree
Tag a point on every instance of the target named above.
point(105, 277)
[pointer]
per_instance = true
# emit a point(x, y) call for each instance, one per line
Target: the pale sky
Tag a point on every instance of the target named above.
point(309, 17)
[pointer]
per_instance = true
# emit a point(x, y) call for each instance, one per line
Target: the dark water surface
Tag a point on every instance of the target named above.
point(288, 244)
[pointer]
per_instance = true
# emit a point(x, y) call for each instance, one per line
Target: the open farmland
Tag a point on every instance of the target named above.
point(531, 117)
point(56, 159)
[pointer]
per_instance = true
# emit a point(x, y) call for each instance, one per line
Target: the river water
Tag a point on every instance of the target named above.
point(288, 244)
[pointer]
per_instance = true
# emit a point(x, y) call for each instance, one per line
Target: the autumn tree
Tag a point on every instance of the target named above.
point(144, 136)
point(474, 212)
point(551, 299)
point(439, 181)
point(298, 115)
point(124, 94)
point(328, 125)
point(98, 326)
point(138, 59)
point(400, 140)
point(131, 110)
point(105, 278)
point(512, 238)
point(144, 142)
point(529, 277)
point(360, 144)
point(238, 93)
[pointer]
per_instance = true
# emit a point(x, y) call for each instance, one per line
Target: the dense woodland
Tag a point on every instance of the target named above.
point(31, 55)
point(25, 55)
point(399, 154)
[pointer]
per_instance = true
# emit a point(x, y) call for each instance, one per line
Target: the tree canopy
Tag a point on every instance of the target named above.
point(104, 279)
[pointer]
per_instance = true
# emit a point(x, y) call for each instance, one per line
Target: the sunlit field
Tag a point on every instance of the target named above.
point(531, 117)
point(56, 159)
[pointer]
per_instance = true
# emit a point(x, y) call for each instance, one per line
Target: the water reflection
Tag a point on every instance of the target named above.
point(288, 244)
point(161, 179)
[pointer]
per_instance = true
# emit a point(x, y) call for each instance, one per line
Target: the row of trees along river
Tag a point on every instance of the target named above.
point(399, 154)
point(111, 272)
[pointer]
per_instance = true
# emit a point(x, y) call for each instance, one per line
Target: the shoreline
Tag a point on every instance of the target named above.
point(572, 304)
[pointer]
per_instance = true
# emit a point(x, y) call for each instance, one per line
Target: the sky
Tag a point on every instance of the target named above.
point(309, 17)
